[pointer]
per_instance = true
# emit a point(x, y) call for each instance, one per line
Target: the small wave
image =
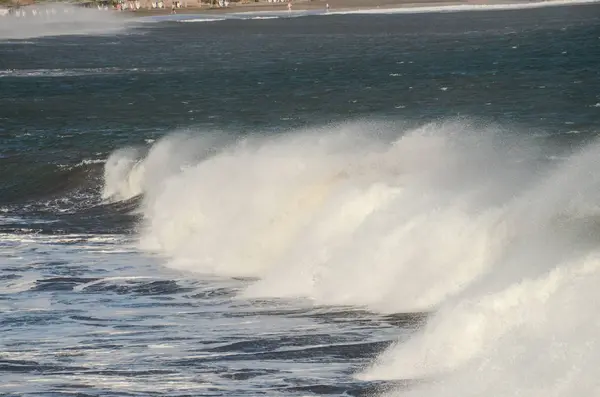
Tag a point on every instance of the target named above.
point(56, 72)
point(36, 183)
point(20, 367)
point(465, 7)
point(138, 285)
point(61, 198)
point(202, 20)
point(82, 163)
point(60, 283)
point(22, 73)
point(15, 284)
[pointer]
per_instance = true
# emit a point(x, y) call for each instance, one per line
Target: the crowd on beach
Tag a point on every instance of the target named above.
point(32, 10)
point(122, 5)
point(134, 5)
point(118, 5)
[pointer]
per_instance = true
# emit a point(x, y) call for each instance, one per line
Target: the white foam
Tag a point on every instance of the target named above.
point(264, 17)
point(527, 326)
point(316, 211)
point(472, 223)
point(465, 7)
point(81, 287)
point(201, 20)
point(74, 72)
point(16, 286)
point(129, 172)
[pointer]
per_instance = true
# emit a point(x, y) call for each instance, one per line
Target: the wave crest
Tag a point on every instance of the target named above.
point(475, 224)
point(314, 212)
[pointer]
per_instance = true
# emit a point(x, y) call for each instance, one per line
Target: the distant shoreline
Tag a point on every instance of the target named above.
point(350, 5)
point(304, 5)
point(333, 6)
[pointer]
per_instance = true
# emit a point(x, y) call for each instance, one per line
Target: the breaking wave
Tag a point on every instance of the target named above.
point(472, 223)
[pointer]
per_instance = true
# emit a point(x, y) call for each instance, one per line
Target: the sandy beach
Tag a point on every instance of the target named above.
point(334, 5)
point(201, 6)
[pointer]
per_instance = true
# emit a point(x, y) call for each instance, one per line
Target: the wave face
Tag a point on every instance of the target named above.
point(46, 198)
point(472, 223)
point(57, 20)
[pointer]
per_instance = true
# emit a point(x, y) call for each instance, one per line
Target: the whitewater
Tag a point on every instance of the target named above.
point(470, 223)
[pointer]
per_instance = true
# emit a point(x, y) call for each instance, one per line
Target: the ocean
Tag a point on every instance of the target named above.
point(300, 204)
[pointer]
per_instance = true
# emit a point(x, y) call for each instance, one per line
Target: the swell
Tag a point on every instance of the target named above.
point(60, 199)
point(77, 72)
point(30, 182)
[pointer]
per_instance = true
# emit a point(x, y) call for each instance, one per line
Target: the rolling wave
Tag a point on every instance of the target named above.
point(60, 199)
point(42, 182)
point(76, 72)
point(471, 223)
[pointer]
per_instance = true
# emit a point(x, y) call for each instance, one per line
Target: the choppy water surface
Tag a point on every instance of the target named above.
point(301, 205)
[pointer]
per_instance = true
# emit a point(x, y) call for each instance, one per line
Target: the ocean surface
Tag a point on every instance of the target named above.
point(300, 204)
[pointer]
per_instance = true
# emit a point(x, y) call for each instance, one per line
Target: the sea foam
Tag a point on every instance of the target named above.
point(486, 229)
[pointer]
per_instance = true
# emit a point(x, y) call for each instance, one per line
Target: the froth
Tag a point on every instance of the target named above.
point(471, 223)
point(527, 325)
point(314, 212)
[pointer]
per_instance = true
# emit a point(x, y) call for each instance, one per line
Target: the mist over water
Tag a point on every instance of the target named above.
point(58, 19)
point(472, 223)
point(528, 322)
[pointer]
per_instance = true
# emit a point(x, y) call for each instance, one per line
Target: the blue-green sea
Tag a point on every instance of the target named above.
point(300, 203)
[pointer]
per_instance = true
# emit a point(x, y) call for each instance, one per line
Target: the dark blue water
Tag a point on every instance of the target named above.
point(67, 99)
point(85, 309)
